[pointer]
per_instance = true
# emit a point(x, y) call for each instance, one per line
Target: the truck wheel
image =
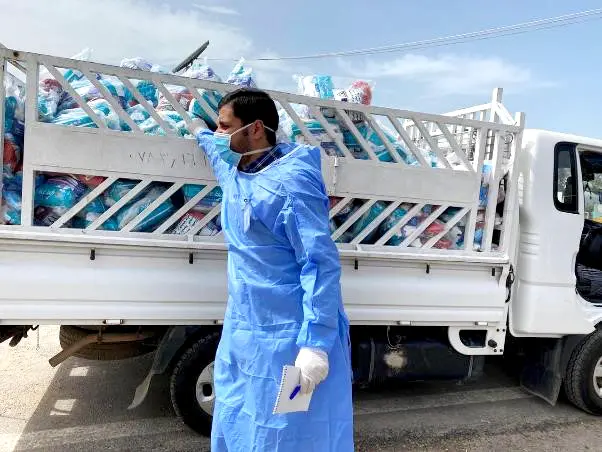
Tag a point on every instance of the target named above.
point(583, 378)
point(68, 335)
point(192, 390)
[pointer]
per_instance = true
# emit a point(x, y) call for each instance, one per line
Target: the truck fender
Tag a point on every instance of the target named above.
point(171, 343)
point(545, 362)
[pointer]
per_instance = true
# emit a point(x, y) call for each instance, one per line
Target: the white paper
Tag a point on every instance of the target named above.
point(290, 380)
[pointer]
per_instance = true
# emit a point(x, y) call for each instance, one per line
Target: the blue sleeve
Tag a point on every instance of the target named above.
point(306, 222)
point(220, 168)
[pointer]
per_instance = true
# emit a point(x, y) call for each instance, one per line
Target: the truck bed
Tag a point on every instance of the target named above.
point(423, 228)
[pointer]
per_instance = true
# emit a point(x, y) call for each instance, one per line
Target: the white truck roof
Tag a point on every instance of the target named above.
point(532, 134)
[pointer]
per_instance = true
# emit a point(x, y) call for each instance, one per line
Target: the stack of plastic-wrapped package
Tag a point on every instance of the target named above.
point(55, 194)
point(14, 131)
point(321, 86)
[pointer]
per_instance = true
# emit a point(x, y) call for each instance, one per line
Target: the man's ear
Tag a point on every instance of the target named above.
point(256, 129)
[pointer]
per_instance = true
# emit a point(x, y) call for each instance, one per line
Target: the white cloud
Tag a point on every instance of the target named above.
point(115, 29)
point(217, 9)
point(450, 74)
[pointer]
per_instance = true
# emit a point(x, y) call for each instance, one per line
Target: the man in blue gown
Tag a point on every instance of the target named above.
point(284, 304)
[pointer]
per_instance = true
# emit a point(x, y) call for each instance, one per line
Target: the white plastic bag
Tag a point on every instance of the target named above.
point(70, 74)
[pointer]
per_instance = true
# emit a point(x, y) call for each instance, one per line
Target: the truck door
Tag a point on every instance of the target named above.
point(589, 258)
point(551, 223)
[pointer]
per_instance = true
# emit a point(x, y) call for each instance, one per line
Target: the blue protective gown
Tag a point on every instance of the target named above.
point(284, 293)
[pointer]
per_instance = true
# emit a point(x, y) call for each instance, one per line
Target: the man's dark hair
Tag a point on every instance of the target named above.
point(250, 104)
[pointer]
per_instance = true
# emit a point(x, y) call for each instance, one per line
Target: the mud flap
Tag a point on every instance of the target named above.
point(167, 349)
point(542, 369)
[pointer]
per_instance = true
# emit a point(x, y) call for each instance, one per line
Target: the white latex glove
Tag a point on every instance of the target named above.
point(197, 126)
point(314, 368)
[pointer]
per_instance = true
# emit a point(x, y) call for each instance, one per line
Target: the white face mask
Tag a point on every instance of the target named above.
point(222, 145)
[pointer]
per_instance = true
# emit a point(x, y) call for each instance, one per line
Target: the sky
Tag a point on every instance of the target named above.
point(552, 75)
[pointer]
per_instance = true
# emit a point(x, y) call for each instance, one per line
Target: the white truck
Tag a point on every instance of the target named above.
point(459, 234)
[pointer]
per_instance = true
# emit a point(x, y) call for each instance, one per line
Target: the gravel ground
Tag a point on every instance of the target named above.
point(82, 405)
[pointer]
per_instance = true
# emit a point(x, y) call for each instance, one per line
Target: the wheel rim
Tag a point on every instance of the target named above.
point(205, 391)
point(598, 378)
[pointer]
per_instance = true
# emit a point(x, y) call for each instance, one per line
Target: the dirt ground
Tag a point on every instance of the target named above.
point(83, 405)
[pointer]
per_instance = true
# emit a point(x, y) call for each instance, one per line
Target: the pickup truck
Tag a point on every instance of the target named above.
point(111, 229)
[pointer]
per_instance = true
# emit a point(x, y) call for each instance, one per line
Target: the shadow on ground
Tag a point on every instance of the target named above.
point(86, 408)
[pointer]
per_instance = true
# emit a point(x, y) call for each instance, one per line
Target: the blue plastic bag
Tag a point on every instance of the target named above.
point(242, 75)
point(205, 205)
point(146, 88)
point(320, 86)
point(366, 219)
point(91, 213)
point(137, 206)
point(14, 105)
point(77, 117)
point(11, 206)
point(61, 191)
point(486, 178)
point(118, 190)
point(212, 98)
point(10, 106)
point(182, 94)
point(173, 120)
point(136, 63)
point(138, 114)
point(49, 97)
point(376, 144)
point(294, 134)
point(88, 92)
point(408, 228)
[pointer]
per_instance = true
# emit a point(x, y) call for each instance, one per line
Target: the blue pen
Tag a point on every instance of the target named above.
point(295, 392)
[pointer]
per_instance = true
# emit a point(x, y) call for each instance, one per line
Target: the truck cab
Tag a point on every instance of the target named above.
point(559, 204)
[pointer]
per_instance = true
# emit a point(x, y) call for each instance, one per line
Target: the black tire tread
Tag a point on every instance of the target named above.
point(202, 350)
point(192, 351)
point(577, 372)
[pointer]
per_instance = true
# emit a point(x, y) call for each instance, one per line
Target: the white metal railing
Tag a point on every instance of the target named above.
point(399, 181)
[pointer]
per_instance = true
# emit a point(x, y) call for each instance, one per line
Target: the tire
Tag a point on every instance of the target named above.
point(68, 335)
point(194, 367)
point(579, 385)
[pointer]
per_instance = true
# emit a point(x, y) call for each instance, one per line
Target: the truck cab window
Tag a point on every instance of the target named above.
point(589, 262)
point(565, 181)
point(591, 170)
